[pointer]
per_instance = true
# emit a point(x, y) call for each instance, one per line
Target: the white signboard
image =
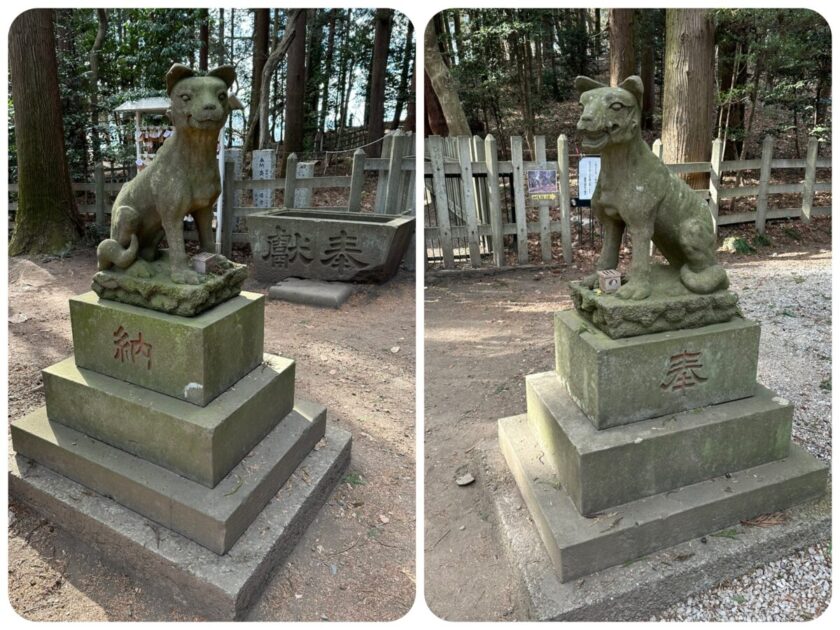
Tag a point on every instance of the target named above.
point(588, 169)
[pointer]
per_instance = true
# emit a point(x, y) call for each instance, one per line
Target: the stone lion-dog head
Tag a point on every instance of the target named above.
point(611, 115)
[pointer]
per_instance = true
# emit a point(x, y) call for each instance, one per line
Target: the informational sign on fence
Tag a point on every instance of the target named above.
point(588, 169)
point(542, 185)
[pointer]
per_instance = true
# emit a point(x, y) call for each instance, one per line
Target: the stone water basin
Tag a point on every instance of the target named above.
point(330, 245)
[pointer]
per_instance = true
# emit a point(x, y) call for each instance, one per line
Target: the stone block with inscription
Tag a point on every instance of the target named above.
point(327, 245)
point(190, 358)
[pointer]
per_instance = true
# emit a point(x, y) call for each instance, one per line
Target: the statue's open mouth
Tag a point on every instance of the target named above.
point(594, 141)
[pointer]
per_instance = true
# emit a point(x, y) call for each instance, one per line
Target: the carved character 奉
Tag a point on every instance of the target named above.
point(637, 192)
point(182, 180)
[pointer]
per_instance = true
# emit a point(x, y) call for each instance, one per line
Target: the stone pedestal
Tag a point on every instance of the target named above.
point(636, 444)
point(183, 427)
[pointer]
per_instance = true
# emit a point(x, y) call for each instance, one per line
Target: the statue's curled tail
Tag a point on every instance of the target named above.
point(111, 253)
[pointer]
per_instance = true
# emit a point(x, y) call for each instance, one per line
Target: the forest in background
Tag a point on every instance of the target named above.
point(108, 57)
point(511, 71)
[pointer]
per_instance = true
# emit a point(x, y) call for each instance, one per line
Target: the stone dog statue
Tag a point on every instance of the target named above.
point(182, 180)
point(636, 191)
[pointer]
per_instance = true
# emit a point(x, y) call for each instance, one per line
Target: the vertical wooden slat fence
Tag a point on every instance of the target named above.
point(470, 222)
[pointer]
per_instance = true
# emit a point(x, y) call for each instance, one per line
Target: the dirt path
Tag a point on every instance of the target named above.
point(484, 333)
point(357, 560)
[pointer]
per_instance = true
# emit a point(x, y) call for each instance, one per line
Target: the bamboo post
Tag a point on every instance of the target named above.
point(494, 203)
point(519, 200)
point(99, 180)
point(810, 178)
point(357, 181)
point(714, 181)
point(436, 150)
point(764, 183)
point(291, 181)
point(565, 203)
point(470, 211)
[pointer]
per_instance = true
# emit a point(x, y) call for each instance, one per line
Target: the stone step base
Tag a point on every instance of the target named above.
point(600, 469)
point(619, 381)
point(579, 546)
point(213, 586)
point(200, 443)
point(216, 517)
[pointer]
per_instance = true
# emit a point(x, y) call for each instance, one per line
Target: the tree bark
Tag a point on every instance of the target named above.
point(402, 91)
point(383, 19)
point(328, 63)
point(435, 121)
point(203, 39)
point(689, 95)
point(295, 82)
point(268, 70)
point(443, 86)
point(314, 71)
point(262, 27)
point(47, 221)
point(410, 123)
point(102, 17)
point(622, 53)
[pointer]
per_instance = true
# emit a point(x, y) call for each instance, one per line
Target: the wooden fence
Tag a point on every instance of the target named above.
point(395, 188)
point(464, 222)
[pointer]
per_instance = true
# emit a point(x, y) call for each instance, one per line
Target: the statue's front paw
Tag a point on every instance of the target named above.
point(185, 276)
point(141, 269)
point(634, 290)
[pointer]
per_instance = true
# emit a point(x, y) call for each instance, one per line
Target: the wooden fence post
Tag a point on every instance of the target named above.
point(382, 180)
point(764, 183)
point(357, 181)
point(99, 180)
point(392, 187)
point(291, 181)
point(519, 200)
point(470, 210)
point(410, 176)
point(494, 203)
point(565, 204)
point(436, 149)
point(479, 187)
point(228, 219)
point(545, 215)
point(810, 178)
point(714, 181)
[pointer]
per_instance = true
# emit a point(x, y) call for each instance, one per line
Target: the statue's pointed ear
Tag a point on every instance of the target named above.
point(225, 73)
point(635, 86)
point(177, 72)
point(234, 102)
point(584, 84)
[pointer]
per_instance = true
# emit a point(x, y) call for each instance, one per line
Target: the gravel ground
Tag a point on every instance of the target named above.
point(790, 294)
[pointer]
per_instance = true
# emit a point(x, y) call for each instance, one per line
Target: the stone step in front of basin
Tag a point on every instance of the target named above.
point(218, 587)
point(579, 546)
point(619, 381)
point(200, 443)
point(601, 469)
point(190, 358)
point(214, 518)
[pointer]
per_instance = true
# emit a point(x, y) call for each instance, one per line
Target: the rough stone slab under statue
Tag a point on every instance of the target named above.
point(312, 292)
point(634, 591)
point(618, 381)
point(190, 358)
point(602, 469)
point(210, 585)
point(200, 443)
point(328, 245)
point(159, 293)
point(670, 306)
point(579, 546)
point(213, 517)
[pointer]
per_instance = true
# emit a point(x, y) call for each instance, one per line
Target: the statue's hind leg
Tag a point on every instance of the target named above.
point(701, 273)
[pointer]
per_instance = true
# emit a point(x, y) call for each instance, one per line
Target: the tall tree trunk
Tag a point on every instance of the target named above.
point(622, 53)
point(596, 41)
point(410, 123)
point(443, 86)
point(402, 91)
point(689, 97)
point(47, 221)
point(270, 66)
point(314, 72)
point(102, 17)
point(262, 28)
point(75, 130)
point(328, 63)
point(203, 39)
point(295, 75)
point(221, 51)
point(381, 45)
point(435, 121)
